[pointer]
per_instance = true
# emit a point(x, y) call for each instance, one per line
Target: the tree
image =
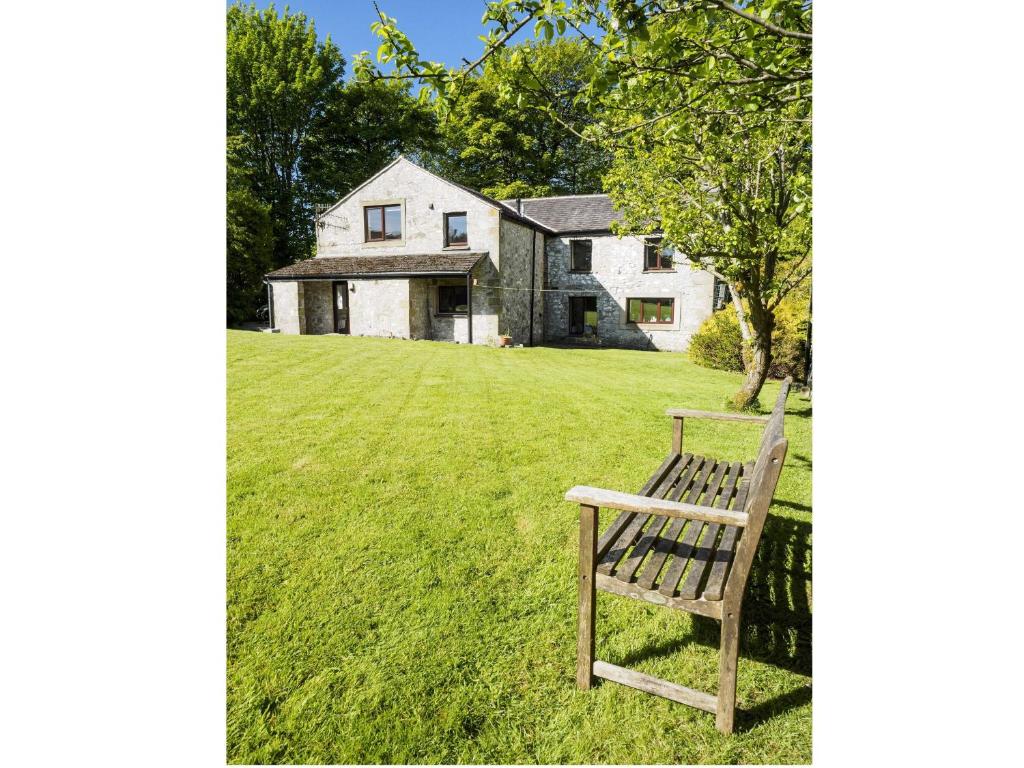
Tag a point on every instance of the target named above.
point(706, 106)
point(280, 80)
point(734, 199)
point(368, 125)
point(250, 243)
point(497, 143)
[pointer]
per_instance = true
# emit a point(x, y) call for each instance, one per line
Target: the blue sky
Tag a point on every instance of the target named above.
point(441, 30)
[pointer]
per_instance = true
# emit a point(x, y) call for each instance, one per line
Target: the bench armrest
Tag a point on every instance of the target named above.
point(631, 502)
point(687, 413)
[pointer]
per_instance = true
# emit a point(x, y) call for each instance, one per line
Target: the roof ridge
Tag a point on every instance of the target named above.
point(565, 197)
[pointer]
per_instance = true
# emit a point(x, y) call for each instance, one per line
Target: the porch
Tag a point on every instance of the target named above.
point(427, 296)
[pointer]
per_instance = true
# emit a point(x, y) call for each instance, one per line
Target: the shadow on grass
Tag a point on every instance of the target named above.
point(776, 623)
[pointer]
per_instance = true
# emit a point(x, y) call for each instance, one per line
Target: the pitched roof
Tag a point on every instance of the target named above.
point(570, 213)
point(507, 210)
point(423, 264)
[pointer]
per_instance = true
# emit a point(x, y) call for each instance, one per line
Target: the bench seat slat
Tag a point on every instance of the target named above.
point(702, 557)
point(727, 546)
point(667, 540)
point(616, 528)
point(683, 549)
point(629, 566)
point(628, 536)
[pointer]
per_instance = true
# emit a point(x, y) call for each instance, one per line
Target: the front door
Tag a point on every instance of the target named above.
point(341, 307)
point(583, 315)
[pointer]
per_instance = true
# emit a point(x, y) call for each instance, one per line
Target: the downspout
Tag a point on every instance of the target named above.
point(469, 303)
point(533, 279)
point(270, 303)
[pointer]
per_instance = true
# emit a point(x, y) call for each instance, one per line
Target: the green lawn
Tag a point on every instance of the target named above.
point(401, 582)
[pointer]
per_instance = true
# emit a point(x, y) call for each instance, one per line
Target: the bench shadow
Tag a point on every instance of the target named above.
point(776, 625)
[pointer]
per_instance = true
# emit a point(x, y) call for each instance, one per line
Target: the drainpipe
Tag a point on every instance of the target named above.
point(533, 279)
point(469, 303)
point(270, 303)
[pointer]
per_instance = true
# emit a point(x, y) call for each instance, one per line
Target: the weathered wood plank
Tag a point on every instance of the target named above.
point(628, 567)
point(618, 549)
point(587, 595)
point(680, 413)
point(704, 553)
point(600, 497)
point(683, 549)
point(625, 518)
point(713, 610)
point(727, 546)
point(655, 685)
point(667, 540)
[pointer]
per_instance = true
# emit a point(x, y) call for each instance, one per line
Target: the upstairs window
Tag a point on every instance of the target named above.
point(455, 230)
point(452, 300)
point(579, 255)
point(382, 222)
point(657, 256)
point(654, 311)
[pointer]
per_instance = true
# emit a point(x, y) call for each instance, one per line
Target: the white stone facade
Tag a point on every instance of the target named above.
point(617, 274)
point(408, 307)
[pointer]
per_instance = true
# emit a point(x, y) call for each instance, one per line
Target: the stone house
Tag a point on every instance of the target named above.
point(408, 254)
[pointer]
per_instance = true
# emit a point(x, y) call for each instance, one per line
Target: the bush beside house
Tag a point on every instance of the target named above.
point(719, 344)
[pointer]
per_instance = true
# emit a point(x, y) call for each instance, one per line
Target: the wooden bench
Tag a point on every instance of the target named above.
point(685, 541)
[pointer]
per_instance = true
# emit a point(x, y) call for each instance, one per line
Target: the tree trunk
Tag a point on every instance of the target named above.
point(757, 370)
point(741, 316)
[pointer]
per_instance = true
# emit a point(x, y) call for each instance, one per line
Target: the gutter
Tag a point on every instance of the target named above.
point(365, 276)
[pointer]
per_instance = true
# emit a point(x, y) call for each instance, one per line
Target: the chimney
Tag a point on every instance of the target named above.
point(519, 206)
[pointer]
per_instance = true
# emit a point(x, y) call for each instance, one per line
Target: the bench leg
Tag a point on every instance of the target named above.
point(726, 707)
point(588, 594)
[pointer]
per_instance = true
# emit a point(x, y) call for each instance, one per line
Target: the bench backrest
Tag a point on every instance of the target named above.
point(763, 479)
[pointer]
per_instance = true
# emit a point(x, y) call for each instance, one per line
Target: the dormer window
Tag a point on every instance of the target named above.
point(382, 222)
point(456, 232)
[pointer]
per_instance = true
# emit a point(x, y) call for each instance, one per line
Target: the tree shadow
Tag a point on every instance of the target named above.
point(794, 505)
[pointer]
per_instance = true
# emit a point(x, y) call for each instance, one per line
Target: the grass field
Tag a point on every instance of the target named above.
point(401, 582)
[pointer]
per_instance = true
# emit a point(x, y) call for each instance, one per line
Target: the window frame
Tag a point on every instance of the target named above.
point(447, 242)
point(656, 243)
point(659, 300)
point(572, 245)
point(382, 207)
point(439, 313)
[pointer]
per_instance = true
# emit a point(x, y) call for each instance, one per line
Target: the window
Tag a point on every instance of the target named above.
point(657, 311)
point(583, 315)
point(451, 300)
point(721, 295)
point(455, 231)
point(382, 222)
point(657, 256)
point(579, 255)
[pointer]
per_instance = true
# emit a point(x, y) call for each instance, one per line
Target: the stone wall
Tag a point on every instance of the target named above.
point(379, 308)
point(617, 275)
point(420, 309)
point(289, 313)
point(425, 199)
point(318, 299)
point(516, 258)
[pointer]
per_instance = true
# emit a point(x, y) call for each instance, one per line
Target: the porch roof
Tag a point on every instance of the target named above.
point(448, 264)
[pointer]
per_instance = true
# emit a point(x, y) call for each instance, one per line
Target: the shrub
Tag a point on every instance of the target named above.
point(718, 343)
